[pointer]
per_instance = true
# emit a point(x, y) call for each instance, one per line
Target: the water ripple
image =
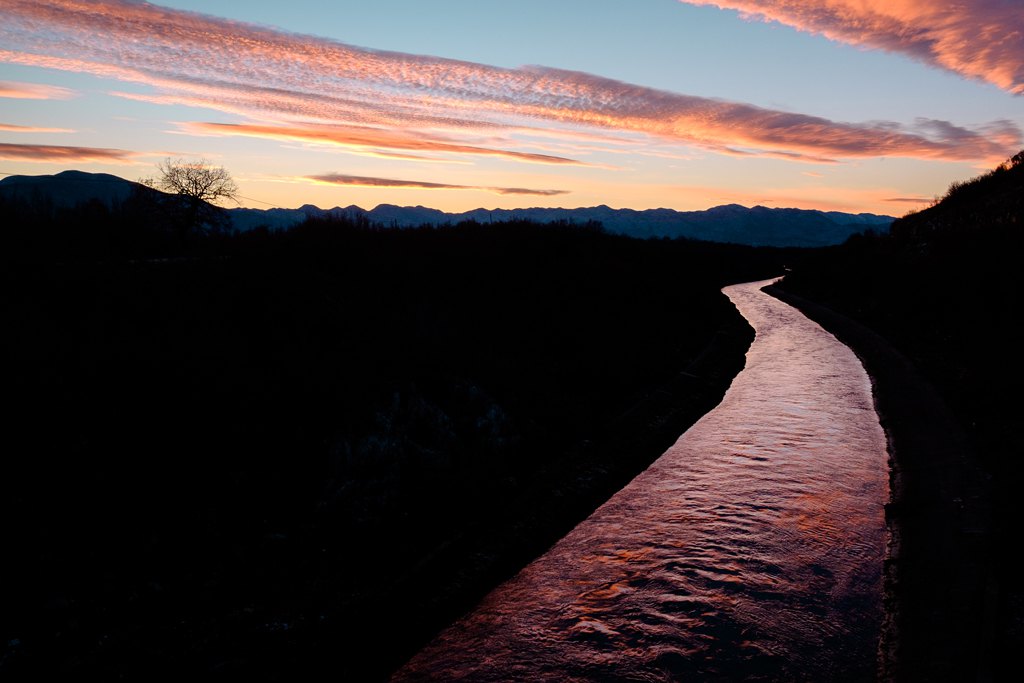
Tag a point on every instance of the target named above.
point(751, 550)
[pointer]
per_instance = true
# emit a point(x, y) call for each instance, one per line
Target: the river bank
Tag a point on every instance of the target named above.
point(444, 585)
point(310, 455)
point(938, 572)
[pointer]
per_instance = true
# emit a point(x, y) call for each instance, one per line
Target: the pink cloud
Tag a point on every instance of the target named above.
point(366, 181)
point(980, 39)
point(314, 84)
point(57, 153)
point(34, 91)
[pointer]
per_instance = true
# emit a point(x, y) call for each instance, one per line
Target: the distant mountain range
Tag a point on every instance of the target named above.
point(757, 226)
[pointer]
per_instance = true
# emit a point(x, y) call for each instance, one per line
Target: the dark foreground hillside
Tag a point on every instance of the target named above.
point(278, 454)
point(944, 290)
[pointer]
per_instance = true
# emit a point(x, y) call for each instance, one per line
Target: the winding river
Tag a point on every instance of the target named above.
point(751, 550)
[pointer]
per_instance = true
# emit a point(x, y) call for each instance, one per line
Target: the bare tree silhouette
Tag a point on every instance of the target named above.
point(199, 186)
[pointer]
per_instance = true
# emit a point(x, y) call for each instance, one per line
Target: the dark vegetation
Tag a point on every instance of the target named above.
point(273, 454)
point(944, 288)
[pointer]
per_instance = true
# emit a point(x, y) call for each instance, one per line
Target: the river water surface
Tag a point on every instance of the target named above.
point(751, 550)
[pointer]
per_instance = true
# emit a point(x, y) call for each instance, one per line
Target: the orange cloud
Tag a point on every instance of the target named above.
point(34, 91)
point(313, 84)
point(56, 153)
point(12, 128)
point(363, 138)
point(980, 39)
point(365, 181)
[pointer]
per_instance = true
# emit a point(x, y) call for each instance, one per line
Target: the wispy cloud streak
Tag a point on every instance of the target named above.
point(303, 81)
point(364, 138)
point(13, 128)
point(367, 181)
point(981, 39)
point(34, 91)
point(908, 200)
point(62, 154)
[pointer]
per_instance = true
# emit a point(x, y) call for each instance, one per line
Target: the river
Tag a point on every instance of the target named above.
point(751, 550)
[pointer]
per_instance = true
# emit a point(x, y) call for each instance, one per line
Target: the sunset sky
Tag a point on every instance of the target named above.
point(852, 105)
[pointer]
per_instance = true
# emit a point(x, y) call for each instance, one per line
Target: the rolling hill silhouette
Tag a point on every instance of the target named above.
point(69, 188)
